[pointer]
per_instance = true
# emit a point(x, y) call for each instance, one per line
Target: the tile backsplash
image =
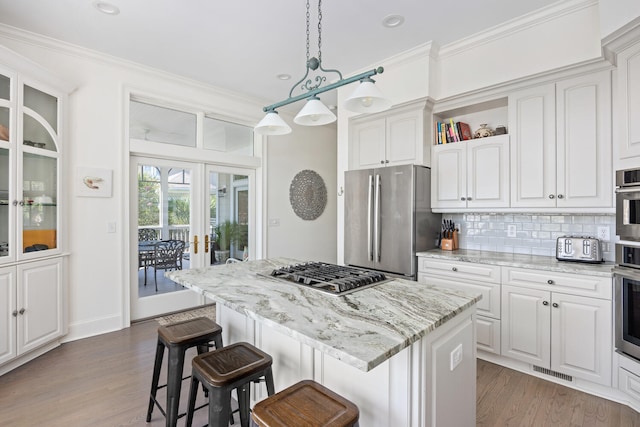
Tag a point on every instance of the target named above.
point(535, 234)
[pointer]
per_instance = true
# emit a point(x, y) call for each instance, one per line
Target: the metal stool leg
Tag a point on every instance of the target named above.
point(174, 384)
point(244, 395)
point(156, 377)
point(219, 406)
point(192, 400)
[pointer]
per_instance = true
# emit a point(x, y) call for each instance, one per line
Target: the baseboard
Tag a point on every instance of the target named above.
point(94, 327)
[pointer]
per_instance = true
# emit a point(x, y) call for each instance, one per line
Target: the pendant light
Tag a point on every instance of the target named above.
point(314, 113)
point(367, 98)
point(272, 124)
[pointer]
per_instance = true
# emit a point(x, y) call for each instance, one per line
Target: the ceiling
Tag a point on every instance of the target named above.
point(243, 45)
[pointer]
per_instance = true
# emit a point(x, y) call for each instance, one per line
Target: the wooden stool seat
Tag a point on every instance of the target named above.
point(178, 338)
point(305, 404)
point(223, 370)
point(188, 332)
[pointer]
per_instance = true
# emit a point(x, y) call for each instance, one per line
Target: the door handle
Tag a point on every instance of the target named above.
point(369, 214)
point(206, 243)
point(195, 244)
point(378, 243)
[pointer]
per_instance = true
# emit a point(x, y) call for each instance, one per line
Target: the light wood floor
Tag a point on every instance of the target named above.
point(104, 381)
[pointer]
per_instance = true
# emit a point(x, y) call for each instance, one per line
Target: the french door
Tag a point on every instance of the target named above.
point(207, 210)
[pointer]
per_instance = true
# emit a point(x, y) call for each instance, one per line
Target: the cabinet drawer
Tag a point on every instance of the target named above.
point(489, 305)
point(574, 284)
point(629, 384)
point(459, 270)
point(488, 334)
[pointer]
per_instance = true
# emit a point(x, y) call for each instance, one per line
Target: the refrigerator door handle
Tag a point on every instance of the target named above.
point(369, 215)
point(377, 220)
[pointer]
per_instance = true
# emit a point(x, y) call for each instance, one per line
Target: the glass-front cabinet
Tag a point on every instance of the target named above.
point(30, 146)
point(32, 261)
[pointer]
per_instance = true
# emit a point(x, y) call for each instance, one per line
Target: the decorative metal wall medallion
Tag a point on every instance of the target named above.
point(308, 195)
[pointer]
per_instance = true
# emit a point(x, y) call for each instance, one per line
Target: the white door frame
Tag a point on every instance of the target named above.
point(199, 226)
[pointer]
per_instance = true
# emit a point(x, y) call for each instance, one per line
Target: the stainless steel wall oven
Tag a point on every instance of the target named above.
point(626, 276)
point(628, 204)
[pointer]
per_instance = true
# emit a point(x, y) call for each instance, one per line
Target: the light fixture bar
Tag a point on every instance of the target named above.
point(322, 89)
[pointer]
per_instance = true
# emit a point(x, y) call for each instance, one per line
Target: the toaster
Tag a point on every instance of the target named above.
point(582, 249)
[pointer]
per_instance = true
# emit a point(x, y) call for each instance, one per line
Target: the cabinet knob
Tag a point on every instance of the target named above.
point(555, 305)
point(551, 196)
point(454, 269)
point(15, 203)
point(463, 198)
point(550, 282)
point(22, 310)
point(386, 161)
point(560, 196)
point(382, 162)
point(468, 198)
point(15, 313)
point(21, 202)
point(545, 302)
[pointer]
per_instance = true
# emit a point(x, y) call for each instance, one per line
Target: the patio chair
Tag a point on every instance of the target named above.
point(167, 255)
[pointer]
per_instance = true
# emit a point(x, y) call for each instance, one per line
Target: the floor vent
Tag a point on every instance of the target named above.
point(552, 373)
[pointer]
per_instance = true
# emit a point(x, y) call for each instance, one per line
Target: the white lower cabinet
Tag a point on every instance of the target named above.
point(31, 308)
point(471, 278)
point(568, 334)
point(561, 322)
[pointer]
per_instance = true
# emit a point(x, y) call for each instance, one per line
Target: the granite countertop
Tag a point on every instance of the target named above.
point(536, 262)
point(362, 329)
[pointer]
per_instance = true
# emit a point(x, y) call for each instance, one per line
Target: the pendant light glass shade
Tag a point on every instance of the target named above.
point(367, 98)
point(314, 113)
point(272, 124)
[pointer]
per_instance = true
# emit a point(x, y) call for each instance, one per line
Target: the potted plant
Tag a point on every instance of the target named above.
point(227, 233)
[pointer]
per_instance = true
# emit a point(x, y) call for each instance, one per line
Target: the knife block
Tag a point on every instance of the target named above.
point(450, 244)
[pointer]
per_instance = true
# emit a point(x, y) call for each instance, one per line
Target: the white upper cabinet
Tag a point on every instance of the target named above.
point(532, 123)
point(471, 174)
point(628, 102)
point(394, 137)
point(561, 144)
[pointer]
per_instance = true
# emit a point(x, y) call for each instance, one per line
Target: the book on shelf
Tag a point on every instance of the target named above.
point(452, 131)
point(454, 128)
point(465, 131)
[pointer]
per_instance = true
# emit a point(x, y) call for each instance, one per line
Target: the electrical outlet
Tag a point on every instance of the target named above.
point(511, 230)
point(604, 233)
point(456, 357)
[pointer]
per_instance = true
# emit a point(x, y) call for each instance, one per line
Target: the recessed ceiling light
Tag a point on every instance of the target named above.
point(283, 76)
point(106, 8)
point(392, 21)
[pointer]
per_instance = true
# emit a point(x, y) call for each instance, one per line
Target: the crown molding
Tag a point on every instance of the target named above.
point(424, 50)
point(516, 25)
point(620, 40)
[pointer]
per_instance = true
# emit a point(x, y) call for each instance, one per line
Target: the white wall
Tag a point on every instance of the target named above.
point(99, 261)
point(311, 148)
point(539, 42)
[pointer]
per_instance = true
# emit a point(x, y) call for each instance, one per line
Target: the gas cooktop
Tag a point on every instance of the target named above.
point(330, 278)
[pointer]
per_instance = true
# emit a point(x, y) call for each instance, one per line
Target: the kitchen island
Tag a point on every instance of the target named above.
point(403, 351)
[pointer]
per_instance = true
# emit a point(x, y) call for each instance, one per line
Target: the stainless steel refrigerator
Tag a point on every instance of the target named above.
point(388, 218)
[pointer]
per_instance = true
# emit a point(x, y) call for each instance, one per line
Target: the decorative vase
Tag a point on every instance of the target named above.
point(483, 132)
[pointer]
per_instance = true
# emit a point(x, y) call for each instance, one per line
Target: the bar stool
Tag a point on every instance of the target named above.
point(223, 370)
point(179, 337)
point(308, 404)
